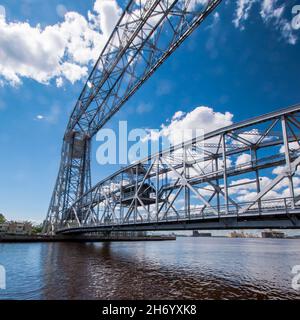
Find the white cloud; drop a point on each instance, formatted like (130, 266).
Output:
(282, 169)
(216, 19)
(52, 116)
(287, 32)
(178, 115)
(73, 72)
(242, 12)
(249, 196)
(65, 50)
(59, 82)
(243, 158)
(285, 183)
(60, 51)
(245, 189)
(292, 146)
(279, 170)
(270, 12)
(200, 120)
(241, 186)
(109, 13)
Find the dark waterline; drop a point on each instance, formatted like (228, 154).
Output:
(188, 268)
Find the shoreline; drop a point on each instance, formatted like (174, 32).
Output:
(34, 239)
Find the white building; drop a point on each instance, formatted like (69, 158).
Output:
(4, 227)
(16, 228)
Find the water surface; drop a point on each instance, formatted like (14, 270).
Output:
(188, 268)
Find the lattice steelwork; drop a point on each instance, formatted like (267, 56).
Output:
(146, 34)
(195, 185)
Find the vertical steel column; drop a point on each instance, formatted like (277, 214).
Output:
(157, 189)
(84, 181)
(287, 158)
(186, 189)
(121, 197)
(254, 164)
(217, 183)
(225, 172)
(185, 177)
(136, 195)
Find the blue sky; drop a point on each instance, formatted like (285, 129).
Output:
(243, 60)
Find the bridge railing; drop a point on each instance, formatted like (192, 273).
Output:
(265, 207)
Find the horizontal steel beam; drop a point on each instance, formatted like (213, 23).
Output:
(277, 221)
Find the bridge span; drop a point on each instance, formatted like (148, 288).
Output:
(147, 33)
(241, 176)
(282, 219)
(204, 183)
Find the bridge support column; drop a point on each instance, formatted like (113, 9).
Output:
(217, 184)
(225, 173)
(288, 159)
(254, 162)
(157, 189)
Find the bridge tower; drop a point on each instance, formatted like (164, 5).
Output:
(147, 33)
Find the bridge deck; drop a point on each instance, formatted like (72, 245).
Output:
(281, 219)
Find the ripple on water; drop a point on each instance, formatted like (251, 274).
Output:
(189, 268)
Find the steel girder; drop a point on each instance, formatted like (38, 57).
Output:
(200, 180)
(145, 35)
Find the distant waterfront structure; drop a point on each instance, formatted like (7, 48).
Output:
(297, 236)
(196, 233)
(242, 234)
(236, 234)
(15, 228)
(273, 234)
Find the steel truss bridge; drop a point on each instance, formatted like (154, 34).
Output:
(190, 186)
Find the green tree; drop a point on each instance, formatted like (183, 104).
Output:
(2, 218)
(37, 229)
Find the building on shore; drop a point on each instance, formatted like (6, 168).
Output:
(273, 234)
(242, 234)
(236, 234)
(297, 236)
(4, 227)
(15, 228)
(196, 233)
